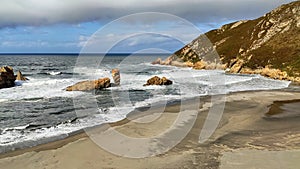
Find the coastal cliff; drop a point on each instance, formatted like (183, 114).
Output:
(269, 45)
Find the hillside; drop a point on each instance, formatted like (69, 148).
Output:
(269, 45)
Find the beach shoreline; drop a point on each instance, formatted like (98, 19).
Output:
(242, 110)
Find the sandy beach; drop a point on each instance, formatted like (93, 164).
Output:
(258, 129)
(153, 85)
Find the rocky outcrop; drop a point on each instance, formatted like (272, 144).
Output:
(90, 85)
(20, 76)
(158, 81)
(158, 61)
(116, 76)
(266, 44)
(201, 64)
(271, 73)
(7, 77)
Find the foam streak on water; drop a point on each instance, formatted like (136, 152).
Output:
(40, 110)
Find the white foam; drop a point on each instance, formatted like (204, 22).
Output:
(15, 136)
(19, 82)
(39, 88)
(3, 100)
(258, 83)
(15, 128)
(54, 73)
(91, 73)
(232, 79)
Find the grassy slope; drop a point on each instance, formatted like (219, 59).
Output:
(282, 51)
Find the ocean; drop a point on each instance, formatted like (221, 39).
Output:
(40, 110)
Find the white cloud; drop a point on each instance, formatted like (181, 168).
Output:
(45, 12)
(24, 43)
(82, 40)
(35, 44)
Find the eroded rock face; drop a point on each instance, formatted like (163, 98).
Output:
(7, 77)
(20, 76)
(158, 81)
(90, 85)
(237, 66)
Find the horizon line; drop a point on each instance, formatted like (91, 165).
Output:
(84, 53)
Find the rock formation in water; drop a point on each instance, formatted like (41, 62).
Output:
(20, 76)
(7, 77)
(269, 45)
(90, 85)
(116, 76)
(158, 81)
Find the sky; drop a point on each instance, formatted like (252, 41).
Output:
(127, 26)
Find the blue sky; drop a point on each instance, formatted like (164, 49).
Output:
(67, 26)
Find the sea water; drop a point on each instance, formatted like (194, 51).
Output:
(40, 110)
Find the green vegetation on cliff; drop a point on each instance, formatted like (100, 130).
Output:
(272, 41)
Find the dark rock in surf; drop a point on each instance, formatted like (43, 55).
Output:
(7, 77)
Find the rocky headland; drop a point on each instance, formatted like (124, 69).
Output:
(269, 45)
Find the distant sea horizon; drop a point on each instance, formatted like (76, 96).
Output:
(77, 54)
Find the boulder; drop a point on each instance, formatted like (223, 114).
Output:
(90, 85)
(7, 77)
(158, 81)
(21, 77)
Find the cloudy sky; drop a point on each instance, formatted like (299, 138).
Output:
(67, 26)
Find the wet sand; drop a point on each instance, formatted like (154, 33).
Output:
(261, 159)
(256, 128)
